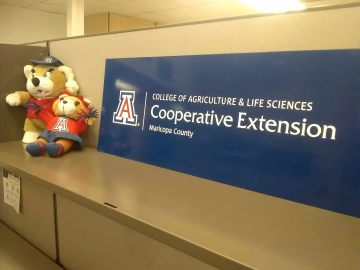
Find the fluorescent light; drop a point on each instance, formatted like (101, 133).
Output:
(274, 5)
(122, 85)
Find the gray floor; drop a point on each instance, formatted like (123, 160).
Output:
(17, 254)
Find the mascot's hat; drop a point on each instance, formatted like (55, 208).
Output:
(48, 60)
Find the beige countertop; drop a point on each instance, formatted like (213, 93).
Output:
(219, 224)
(16, 253)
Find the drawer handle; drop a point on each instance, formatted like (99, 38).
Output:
(113, 206)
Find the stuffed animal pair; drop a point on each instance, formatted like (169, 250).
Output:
(46, 80)
(50, 84)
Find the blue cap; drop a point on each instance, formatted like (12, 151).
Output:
(48, 60)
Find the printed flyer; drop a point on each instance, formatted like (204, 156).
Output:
(12, 190)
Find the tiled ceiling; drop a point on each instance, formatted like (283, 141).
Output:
(160, 11)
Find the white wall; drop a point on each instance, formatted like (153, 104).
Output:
(20, 25)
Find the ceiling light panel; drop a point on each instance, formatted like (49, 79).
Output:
(274, 6)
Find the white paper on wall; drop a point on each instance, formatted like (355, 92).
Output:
(12, 190)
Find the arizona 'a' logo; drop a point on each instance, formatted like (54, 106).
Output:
(61, 124)
(125, 113)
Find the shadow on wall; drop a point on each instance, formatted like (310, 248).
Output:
(13, 79)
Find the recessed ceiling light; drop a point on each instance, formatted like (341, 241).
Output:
(276, 6)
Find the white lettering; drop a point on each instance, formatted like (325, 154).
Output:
(295, 126)
(302, 128)
(240, 120)
(152, 111)
(270, 123)
(228, 121)
(252, 123)
(309, 130)
(333, 132)
(286, 124)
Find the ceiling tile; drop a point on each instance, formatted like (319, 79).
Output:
(90, 4)
(154, 17)
(150, 5)
(225, 7)
(115, 8)
(181, 13)
(20, 3)
(50, 8)
(125, 10)
(191, 2)
(212, 6)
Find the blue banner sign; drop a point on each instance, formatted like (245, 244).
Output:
(286, 124)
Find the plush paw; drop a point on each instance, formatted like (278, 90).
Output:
(13, 99)
(54, 149)
(71, 85)
(30, 136)
(36, 148)
(90, 121)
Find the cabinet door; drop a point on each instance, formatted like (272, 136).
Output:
(35, 223)
(16, 253)
(89, 241)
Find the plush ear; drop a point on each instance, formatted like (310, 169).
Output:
(85, 101)
(67, 71)
(27, 70)
(88, 102)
